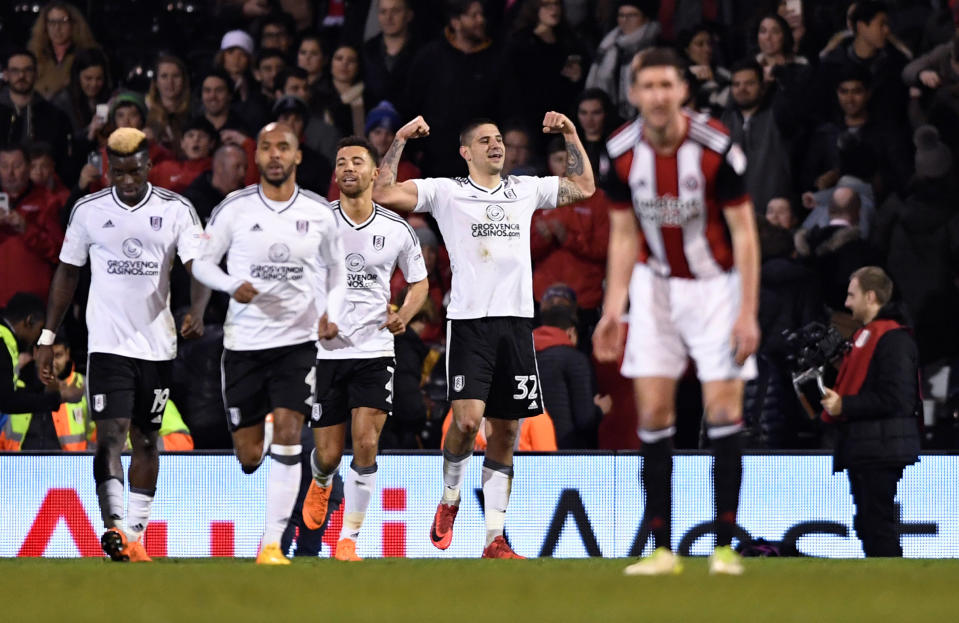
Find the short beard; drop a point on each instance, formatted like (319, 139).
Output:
(277, 183)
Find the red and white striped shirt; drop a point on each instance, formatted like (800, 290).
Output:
(679, 198)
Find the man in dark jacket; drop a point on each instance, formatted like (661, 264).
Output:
(875, 404)
(566, 381)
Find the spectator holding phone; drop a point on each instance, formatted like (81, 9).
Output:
(30, 234)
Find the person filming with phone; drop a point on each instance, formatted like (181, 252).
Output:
(30, 233)
(875, 406)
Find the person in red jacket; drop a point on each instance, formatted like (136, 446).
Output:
(30, 234)
(569, 244)
(197, 144)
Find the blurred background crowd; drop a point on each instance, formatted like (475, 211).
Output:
(848, 114)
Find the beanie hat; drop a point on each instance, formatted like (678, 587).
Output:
(383, 116)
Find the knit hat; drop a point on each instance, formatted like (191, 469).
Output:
(383, 116)
(558, 291)
(288, 104)
(237, 39)
(128, 98)
(933, 158)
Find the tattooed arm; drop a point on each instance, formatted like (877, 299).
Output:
(578, 183)
(386, 191)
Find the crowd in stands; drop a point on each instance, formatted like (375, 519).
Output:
(848, 115)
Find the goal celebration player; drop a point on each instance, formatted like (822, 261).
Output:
(286, 277)
(490, 361)
(130, 232)
(354, 378)
(683, 250)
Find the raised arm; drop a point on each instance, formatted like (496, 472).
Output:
(578, 183)
(386, 191)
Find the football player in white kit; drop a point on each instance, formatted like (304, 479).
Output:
(490, 361)
(354, 381)
(129, 231)
(286, 276)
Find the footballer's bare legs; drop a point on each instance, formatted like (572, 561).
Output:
(498, 475)
(656, 405)
(250, 446)
(361, 479)
(144, 468)
(457, 450)
(283, 482)
(724, 407)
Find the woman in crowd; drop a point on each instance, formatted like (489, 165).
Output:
(596, 119)
(344, 93)
(59, 32)
(168, 101)
(310, 58)
(90, 86)
(774, 39)
(235, 58)
(708, 82)
(545, 61)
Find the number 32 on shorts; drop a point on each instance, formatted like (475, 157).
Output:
(526, 387)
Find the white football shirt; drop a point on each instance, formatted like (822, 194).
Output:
(373, 249)
(487, 236)
(285, 250)
(131, 252)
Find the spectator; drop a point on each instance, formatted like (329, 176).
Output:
(320, 135)
(884, 140)
(635, 30)
(780, 212)
(344, 94)
(918, 235)
(90, 86)
(58, 34)
(569, 244)
(755, 123)
(545, 62)
(536, 434)
(127, 110)
(777, 48)
(788, 300)
(21, 321)
(836, 250)
(212, 186)
(936, 77)
(566, 381)
(43, 173)
(438, 90)
(197, 145)
(439, 278)
(277, 31)
(388, 57)
(269, 63)
(168, 102)
(216, 96)
(381, 125)
(235, 59)
(69, 427)
(596, 120)
(311, 59)
(33, 118)
(30, 234)
(518, 158)
(708, 82)
(857, 165)
(314, 171)
(870, 49)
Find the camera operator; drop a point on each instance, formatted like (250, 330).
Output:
(874, 405)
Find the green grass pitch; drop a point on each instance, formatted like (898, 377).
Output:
(454, 591)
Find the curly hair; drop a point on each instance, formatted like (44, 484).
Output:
(40, 41)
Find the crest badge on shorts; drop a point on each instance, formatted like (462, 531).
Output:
(378, 242)
(459, 382)
(302, 227)
(234, 416)
(316, 412)
(156, 222)
(99, 402)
